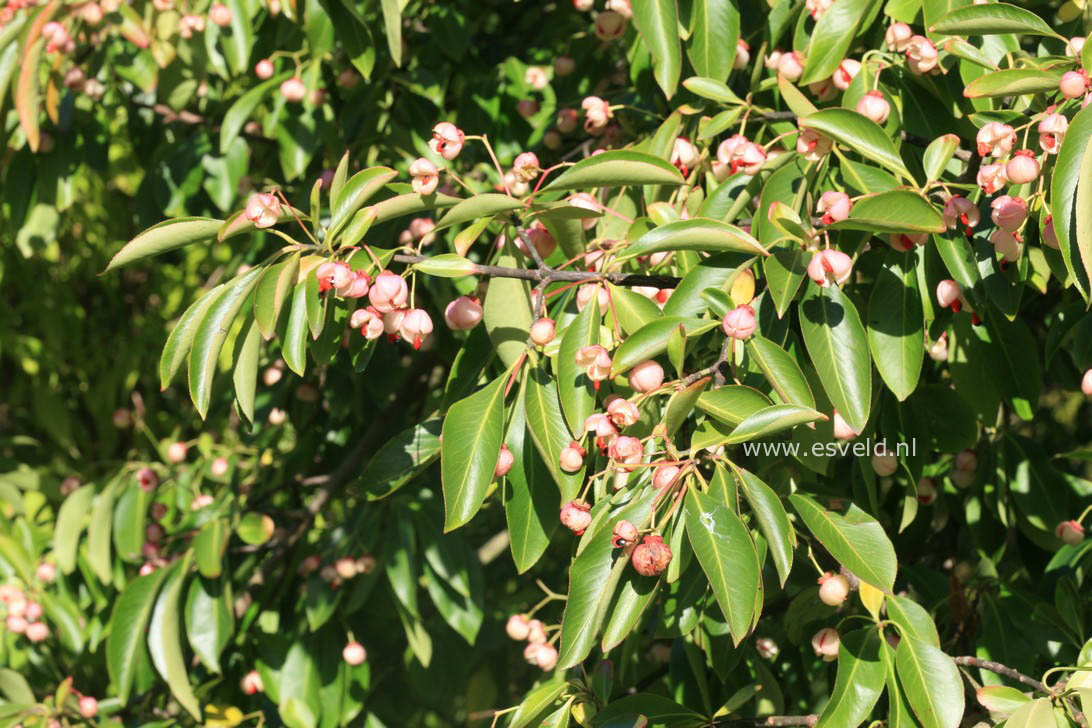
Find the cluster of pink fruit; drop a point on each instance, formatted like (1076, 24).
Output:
(539, 651)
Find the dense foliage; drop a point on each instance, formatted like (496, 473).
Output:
(624, 363)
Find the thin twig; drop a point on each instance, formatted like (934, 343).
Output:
(772, 721)
(997, 667)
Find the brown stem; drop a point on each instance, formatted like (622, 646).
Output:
(725, 356)
(1000, 669)
(551, 275)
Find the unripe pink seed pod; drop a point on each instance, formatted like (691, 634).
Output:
(220, 14)
(665, 476)
(505, 459)
(1086, 383)
(833, 589)
(251, 683)
(576, 516)
(739, 323)
(572, 457)
(264, 69)
(1073, 84)
(1070, 532)
(826, 643)
(463, 313)
(927, 491)
(646, 376)
(176, 452)
(293, 90)
(89, 707)
(1022, 167)
(874, 106)
(354, 653)
(542, 331)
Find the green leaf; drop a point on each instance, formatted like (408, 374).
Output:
(272, 290)
(238, 42)
(471, 438)
(15, 687)
(478, 206)
(551, 435)
(701, 234)
(773, 520)
(617, 168)
(167, 235)
(651, 340)
(358, 189)
(855, 539)
(1001, 698)
(838, 346)
(125, 647)
(532, 501)
(181, 337)
(209, 620)
(938, 154)
(208, 548)
(245, 376)
(1013, 82)
(913, 619)
(507, 313)
(294, 342)
(402, 459)
(392, 24)
(164, 643)
(657, 710)
(770, 420)
(714, 32)
(1038, 713)
(658, 24)
(446, 265)
(129, 519)
(711, 88)
(98, 534)
(897, 211)
(727, 555)
(576, 390)
(235, 117)
(831, 37)
(896, 324)
(860, 680)
(860, 134)
(411, 204)
(781, 371)
(682, 403)
(991, 19)
(1068, 196)
(933, 684)
(635, 594)
(211, 334)
(537, 703)
(632, 309)
(1017, 366)
(71, 519)
(733, 403)
(593, 578)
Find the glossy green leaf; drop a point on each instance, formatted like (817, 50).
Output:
(657, 22)
(237, 114)
(537, 703)
(831, 38)
(836, 341)
(402, 459)
(1067, 196)
(471, 437)
(896, 324)
(932, 682)
(273, 288)
(773, 519)
(446, 265)
(855, 539)
(781, 371)
(99, 528)
(167, 235)
(208, 548)
(209, 621)
(938, 154)
(771, 420)
(991, 19)
(125, 643)
(71, 519)
(897, 211)
(479, 206)
(651, 340)
(710, 236)
(1013, 82)
(723, 547)
(912, 618)
(711, 88)
(532, 503)
(733, 403)
(593, 578)
(507, 313)
(1037, 714)
(245, 374)
(1001, 699)
(617, 168)
(860, 134)
(576, 390)
(632, 309)
(358, 189)
(294, 342)
(211, 334)
(714, 30)
(682, 403)
(860, 680)
(411, 204)
(164, 643)
(551, 435)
